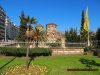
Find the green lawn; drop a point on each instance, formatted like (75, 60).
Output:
(57, 65)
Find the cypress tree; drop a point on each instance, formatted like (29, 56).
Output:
(22, 28)
(82, 24)
(83, 33)
(82, 21)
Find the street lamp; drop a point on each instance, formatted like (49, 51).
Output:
(5, 29)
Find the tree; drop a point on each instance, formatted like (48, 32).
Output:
(30, 22)
(66, 35)
(82, 21)
(71, 35)
(22, 28)
(25, 24)
(39, 36)
(98, 37)
(29, 33)
(83, 35)
(85, 28)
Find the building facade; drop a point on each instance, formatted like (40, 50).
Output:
(2, 23)
(11, 29)
(8, 30)
(54, 36)
(51, 32)
(40, 27)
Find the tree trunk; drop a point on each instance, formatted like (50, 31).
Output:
(27, 53)
(27, 56)
(36, 44)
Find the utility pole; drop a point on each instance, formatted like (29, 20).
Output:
(5, 30)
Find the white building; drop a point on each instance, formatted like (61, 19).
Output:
(11, 29)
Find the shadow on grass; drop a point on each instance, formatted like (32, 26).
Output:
(30, 60)
(7, 63)
(89, 63)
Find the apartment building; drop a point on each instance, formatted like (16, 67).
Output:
(8, 30)
(11, 29)
(2, 23)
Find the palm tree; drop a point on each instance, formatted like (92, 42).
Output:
(39, 36)
(30, 21)
(29, 32)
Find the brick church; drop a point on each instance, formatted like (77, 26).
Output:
(52, 34)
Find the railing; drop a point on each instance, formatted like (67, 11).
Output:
(43, 44)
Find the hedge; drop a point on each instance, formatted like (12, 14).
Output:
(10, 51)
(96, 52)
(54, 44)
(89, 48)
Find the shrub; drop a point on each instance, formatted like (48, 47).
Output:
(9, 51)
(95, 53)
(98, 52)
(54, 44)
(98, 37)
(87, 62)
(89, 48)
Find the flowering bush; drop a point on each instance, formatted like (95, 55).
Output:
(21, 70)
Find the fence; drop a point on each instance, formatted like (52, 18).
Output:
(43, 44)
(58, 48)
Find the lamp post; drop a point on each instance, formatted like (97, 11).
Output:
(6, 29)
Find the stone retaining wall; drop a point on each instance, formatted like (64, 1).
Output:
(66, 51)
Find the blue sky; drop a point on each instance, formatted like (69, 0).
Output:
(65, 13)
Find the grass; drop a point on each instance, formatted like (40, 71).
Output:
(57, 65)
